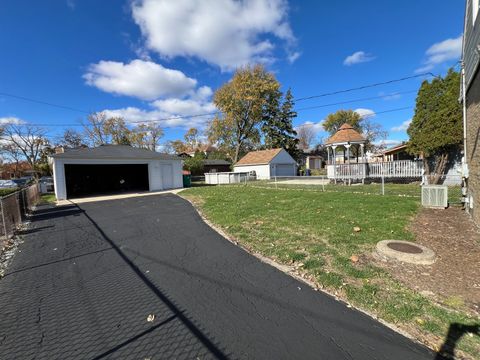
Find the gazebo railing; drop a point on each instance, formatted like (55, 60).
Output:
(348, 171)
(387, 169)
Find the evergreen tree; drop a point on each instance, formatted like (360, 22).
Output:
(277, 124)
(436, 129)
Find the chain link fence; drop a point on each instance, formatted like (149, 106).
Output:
(401, 186)
(15, 208)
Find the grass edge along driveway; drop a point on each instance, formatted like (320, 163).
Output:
(314, 233)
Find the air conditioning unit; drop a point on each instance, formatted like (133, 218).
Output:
(435, 196)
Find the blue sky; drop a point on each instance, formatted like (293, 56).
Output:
(158, 59)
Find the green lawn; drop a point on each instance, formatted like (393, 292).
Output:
(5, 192)
(47, 199)
(314, 231)
(406, 190)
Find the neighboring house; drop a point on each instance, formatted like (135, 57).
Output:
(13, 170)
(216, 165)
(109, 169)
(314, 162)
(267, 163)
(184, 155)
(312, 159)
(471, 100)
(395, 153)
(203, 148)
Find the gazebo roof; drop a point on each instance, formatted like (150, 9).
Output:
(346, 134)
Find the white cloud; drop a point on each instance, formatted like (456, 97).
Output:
(164, 119)
(11, 120)
(438, 53)
(293, 57)
(185, 107)
(392, 96)
(387, 143)
(316, 126)
(357, 58)
(365, 113)
(71, 4)
(226, 33)
(403, 126)
(171, 112)
(202, 94)
(142, 79)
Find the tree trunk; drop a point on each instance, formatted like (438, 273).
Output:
(440, 166)
(237, 152)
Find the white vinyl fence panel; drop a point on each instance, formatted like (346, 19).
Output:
(226, 178)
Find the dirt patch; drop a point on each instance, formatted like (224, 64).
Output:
(454, 279)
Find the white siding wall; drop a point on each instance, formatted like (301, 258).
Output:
(262, 171)
(283, 160)
(154, 172)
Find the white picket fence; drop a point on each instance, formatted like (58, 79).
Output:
(389, 169)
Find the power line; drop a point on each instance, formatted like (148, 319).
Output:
(43, 102)
(366, 86)
(357, 100)
(214, 113)
(217, 112)
(367, 115)
(143, 121)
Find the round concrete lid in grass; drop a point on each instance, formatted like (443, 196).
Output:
(405, 251)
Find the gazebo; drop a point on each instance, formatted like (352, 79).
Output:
(347, 139)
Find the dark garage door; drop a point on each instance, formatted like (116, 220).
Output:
(86, 180)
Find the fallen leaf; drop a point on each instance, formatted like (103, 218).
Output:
(150, 318)
(354, 258)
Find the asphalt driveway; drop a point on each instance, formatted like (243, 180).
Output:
(89, 275)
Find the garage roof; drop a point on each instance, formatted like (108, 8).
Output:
(114, 152)
(259, 157)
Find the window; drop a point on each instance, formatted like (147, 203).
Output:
(475, 4)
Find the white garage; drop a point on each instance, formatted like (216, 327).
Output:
(113, 169)
(267, 163)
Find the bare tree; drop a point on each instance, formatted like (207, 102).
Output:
(191, 138)
(147, 136)
(374, 133)
(29, 141)
(71, 138)
(94, 129)
(306, 135)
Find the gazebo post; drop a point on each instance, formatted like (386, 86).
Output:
(347, 147)
(364, 163)
(334, 147)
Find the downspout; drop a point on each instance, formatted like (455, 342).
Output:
(464, 98)
(465, 195)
